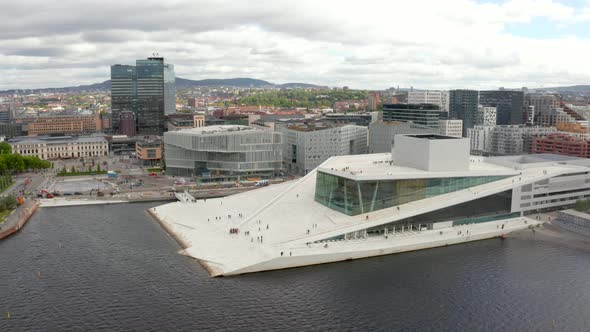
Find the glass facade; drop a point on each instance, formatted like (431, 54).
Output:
(146, 89)
(355, 197)
(423, 114)
(463, 106)
(150, 96)
(490, 208)
(509, 105)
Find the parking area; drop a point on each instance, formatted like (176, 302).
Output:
(82, 186)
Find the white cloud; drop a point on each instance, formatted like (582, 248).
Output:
(373, 44)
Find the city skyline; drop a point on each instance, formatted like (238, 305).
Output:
(425, 43)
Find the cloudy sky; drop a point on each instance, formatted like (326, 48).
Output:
(362, 44)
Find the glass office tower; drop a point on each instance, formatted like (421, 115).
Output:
(509, 105)
(169, 89)
(145, 89)
(123, 92)
(463, 106)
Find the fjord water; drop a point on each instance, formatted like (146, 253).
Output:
(113, 268)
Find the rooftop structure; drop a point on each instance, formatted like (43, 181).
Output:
(382, 134)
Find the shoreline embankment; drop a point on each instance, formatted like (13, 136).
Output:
(15, 221)
(554, 234)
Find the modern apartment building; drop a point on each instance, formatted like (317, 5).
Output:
(146, 89)
(515, 140)
(305, 147)
(463, 106)
(64, 124)
(422, 114)
(541, 102)
(440, 98)
(509, 105)
(555, 117)
(62, 147)
(223, 153)
(486, 116)
(480, 139)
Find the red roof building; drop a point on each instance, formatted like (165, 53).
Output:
(562, 144)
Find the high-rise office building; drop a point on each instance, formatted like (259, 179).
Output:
(146, 89)
(509, 105)
(169, 89)
(541, 102)
(463, 106)
(423, 114)
(123, 93)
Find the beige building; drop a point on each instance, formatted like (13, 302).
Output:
(199, 120)
(65, 124)
(450, 127)
(63, 147)
(149, 153)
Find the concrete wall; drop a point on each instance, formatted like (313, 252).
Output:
(574, 221)
(432, 154)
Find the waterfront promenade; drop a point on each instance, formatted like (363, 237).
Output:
(18, 218)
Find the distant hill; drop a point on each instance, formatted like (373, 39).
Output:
(181, 83)
(297, 86)
(574, 89)
(96, 87)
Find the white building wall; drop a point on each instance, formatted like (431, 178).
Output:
(440, 98)
(432, 155)
(552, 192)
(316, 146)
(480, 139)
(61, 150)
(451, 127)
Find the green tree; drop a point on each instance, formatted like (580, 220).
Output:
(14, 162)
(73, 170)
(8, 203)
(5, 148)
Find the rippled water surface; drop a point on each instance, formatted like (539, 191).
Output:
(113, 268)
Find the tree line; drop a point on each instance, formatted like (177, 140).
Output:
(14, 162)
(300, 98)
